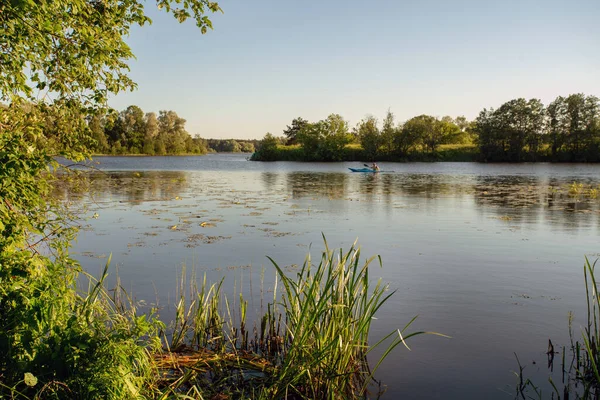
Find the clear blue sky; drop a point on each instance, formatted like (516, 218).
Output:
(269, 61)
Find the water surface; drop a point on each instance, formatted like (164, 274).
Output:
(490, 254)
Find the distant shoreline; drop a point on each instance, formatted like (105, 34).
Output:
(165, 155)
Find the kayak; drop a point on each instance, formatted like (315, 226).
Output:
(362, 170)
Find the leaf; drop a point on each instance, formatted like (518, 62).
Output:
(30, 379)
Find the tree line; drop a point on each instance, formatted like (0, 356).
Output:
(331, 139)
(132, 131)
(232, 145)
(568, 129)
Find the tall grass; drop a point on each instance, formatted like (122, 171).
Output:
(89, 347)
(311, 342)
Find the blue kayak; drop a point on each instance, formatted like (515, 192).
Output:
(362, 170)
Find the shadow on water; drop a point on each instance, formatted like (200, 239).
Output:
(525, 199)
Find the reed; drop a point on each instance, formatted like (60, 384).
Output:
(311, 342)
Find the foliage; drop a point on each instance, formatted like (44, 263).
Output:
(354, 152)
(291, 132)
(267, 149)
(503, 133)
(388, 131)
(450, 131)
(60, 62)
(519, 130)
(132, 131)
(369, 136)
(574, 128)
(75, 49)
(231, 145)
(324, 140)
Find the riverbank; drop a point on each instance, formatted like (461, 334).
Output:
(354, 152)
(165, 155)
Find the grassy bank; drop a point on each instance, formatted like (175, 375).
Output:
(311, 340)
(354, 152)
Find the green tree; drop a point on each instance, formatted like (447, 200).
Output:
(557, 126)
(324, 140)
(291, 132)
(405, 141)
(370, 137)
(388, 132)
(267, 149)
(247, 147)
(462, 123)
(60, 61)
(96, 126)
(451, 133)
(579, 121)
(432, 135)
(133, 127)
(171, 129)
(336, 138)
(311, 137)
(231, 146)
(423, 130)
(513, 132)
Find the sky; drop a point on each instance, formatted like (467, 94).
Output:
(269, 61)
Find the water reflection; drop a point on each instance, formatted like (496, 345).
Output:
(125, 187)
(488, 257)
(315, 185)
(516, 199)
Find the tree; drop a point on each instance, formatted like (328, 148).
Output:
(336, 138)
(324, 140)
(450, 131)
(291, 132)
(557, 126)
(388, 132)
(369, 136)
(432, 134)
(462, 123)
(171, 129)
(267, 149)
(60, 61)
(96, 126)
(247, 147)
(405, 141)
(231, 146)
(513, 132)
(579, 121)
(310, 138)
(133, 126)
(423, 130)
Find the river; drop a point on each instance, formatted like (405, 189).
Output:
(489, 254)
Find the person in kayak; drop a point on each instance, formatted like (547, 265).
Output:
(375, 167)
